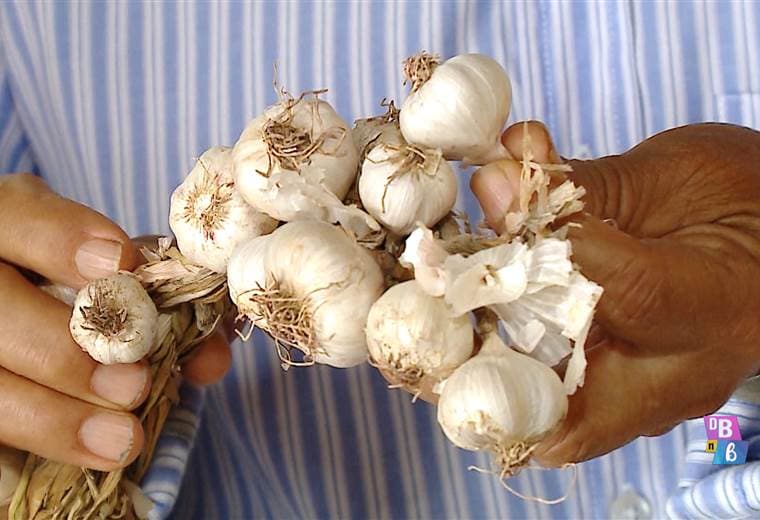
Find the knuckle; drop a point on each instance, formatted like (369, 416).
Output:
(638, 294)
(20, 182)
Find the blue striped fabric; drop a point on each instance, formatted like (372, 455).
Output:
(111, 101)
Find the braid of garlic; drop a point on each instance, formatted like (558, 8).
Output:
(191, 300)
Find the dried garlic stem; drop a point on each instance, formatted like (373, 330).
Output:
(207, 202)
(287, 319)
(291, 147)
(419, 68)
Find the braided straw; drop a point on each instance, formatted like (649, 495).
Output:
(191, 301)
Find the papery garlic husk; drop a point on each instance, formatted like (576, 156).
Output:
(414, 339)
(314, 293)
(114, 320)
(11, 467)
(426, 256)
(297, 161)
(503, 402)
(544, 321)
(402, 185)
(543, 302)
(368, 131)
(459, 106)
(209, 217)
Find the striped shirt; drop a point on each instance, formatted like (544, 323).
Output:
(111, 102)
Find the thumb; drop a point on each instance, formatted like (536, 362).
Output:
(57, 238)
(656, 292)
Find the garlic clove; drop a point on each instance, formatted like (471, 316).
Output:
(114, 320)
(209, 216)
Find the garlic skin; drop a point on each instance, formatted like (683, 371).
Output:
(208, 215)
(499, 398)
(114, 320)
(245, 269)
(11, 466)
(461, 108)
(259, 175)
(246, 272)
(412, 336)
(426, 256)
(401, 185)
(318, 282)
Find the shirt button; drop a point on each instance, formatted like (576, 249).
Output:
(630, 506)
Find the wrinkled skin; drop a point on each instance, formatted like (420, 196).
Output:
(671, 230)
(49, 387)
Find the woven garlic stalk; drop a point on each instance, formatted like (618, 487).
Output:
(191, 301)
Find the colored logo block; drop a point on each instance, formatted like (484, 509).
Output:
(712, 445)
(722, 427)
(731, 452)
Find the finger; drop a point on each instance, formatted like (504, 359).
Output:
(657, 293)
(36, 344)
(64, 241)
(63, 429)
(497, 188)
(211, 361)
(497, 185)
(626, 395)
(535, 135)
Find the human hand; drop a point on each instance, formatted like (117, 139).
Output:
(56, 401)
(677, 328)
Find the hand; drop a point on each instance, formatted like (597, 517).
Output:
(56, 401)
(671, 230)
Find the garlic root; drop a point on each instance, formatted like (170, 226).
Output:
(114, 320)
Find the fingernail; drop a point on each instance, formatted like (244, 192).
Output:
(107, 435)
(98, 258)
(120, 384)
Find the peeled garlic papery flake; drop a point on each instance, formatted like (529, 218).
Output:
(543, 302)
(412, 336)
(459, 106)
(426, 256)
(208, 215)
(297, 161)
(402, 185)
(314, 294)
(542, 322)
(503, 402)
(114, 320)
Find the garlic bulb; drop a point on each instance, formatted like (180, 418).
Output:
(246, 269)
(501, 401)
(11, 466)
(114, 320)
(302, 141)
(459, 106)
(401, 185)
(209, 216)
(413, 336)
(314, 293)
(368, 130)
